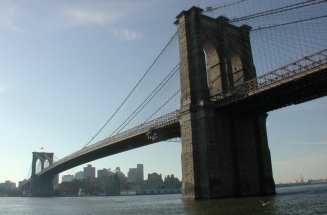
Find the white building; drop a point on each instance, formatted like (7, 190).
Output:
(67, 178)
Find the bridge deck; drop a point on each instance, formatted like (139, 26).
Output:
(295, 83)
(165, 127)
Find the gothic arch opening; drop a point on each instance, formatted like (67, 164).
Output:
(46, 163)
(212, 68)
(38, 166)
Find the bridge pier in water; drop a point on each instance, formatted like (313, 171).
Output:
(225, 152)
(41, 185)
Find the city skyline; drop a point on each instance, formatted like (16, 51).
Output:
(62, 76)
(77, 174)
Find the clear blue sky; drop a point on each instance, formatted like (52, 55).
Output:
(65, 66)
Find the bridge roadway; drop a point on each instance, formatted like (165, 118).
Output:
(294, 83)
(160, 129)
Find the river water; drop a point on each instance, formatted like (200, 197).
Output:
(308, 199)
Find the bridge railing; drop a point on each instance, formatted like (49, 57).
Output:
(165, 120)
(153, 124)
(273, 78)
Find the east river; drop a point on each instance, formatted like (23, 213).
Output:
(308, 199)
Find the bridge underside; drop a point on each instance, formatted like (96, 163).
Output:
(296, 91)
(132, 142)
(42, 184)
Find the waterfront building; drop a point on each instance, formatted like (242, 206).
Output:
(89, 171)
(136, 175)
(155, 185)
(120, 174)
(109, 183)
(104, 172)
(69, 188)
(79, 175)
(89, 185)
(171, 182)
(8, 185)
(154, 181)
(122, 179)
(67, 178)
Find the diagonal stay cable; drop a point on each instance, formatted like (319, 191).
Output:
(175, 94)
(278, 10)
(289, 23)
(129, 95)
(147, 100)
(210, 9)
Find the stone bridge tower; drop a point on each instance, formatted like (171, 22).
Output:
(41, 186)
(224, 153)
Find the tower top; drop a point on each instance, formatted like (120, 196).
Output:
(192, 9)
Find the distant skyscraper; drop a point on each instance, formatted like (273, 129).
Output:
(79, 175)
(8, 185)
(104, 173)
(154, 180)
(135, 175)
(89, 171)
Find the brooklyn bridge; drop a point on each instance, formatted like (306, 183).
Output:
(215, 98)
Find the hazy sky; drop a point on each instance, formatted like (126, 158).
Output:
(65, 66)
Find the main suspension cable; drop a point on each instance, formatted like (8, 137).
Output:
(278, 10)
(129, 95)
